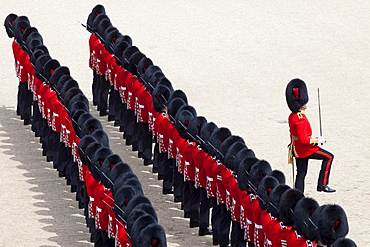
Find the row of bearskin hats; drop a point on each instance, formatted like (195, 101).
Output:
(131, 206)
(326, 224)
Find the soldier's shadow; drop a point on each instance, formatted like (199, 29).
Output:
(58, 209)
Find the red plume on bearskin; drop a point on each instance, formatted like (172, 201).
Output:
(296, 94)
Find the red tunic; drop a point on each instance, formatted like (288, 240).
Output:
(201, 162)
(19, 57)
(300, 131)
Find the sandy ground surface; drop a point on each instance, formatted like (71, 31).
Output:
(233, 59)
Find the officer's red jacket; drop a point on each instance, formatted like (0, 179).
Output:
(93, 41)
(162, 126)
(19, 57)
(300, 131)
(101, 212)
(211, 166)
(234, 191)
(121, 83)
(122, 239)
(189, 164)
(132, 85)
(201, 163)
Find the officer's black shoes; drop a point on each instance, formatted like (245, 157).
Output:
(204, 231)
(177, 199)
(160, 176)
(167, 191)
(122, 129)
(155, 169)
(27, 122)
(49, 158)
(73, 188)
(148, 162)
(194, 223)
(103, 113)
(139, 154)
(135, 148)
(215, 241)
(110, 118)
(325, 188)
(186, 214)
(116, 123)
(128, 142)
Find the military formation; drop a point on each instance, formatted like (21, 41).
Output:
(216, 178)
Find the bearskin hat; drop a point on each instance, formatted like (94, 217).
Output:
(242, 154)
(8, 23)
(98, 160)
(122, 197)
(133, 61)
(70, 99)
(228, 159)
(72, 95)
(154, 80)
(179, 94)
(205, 134)
(160, 97)
(101, 136)
(264, 190)
(39, 51)
(96, 21)
(303, 212)
(258, 171)
(109, 162)
(119, 49)
(164, 81)
(344, 242)
(32, 45)
(82, 146)
(83, 117)
(186, 108)
(58, 73)
(195, 126)
(66, 86)
(39, 66)
(91, 125)
(103, 25)
(152, 235)
(332, 223)
(142, 67)
(279, 175)
(274, 199)
(138, 225)
(62, 80)
(216, 139)
(128, 179)
(244, 171)
(79, 105)
(296, 94)
(29, 35)
(183, 119)
(134, 202)
(119, 169)
(138, 211)
(111, 38)
(90, 151)
(230, 141)
(49, 68)
(149, 72)
(174, 105)
(287, 204)
(127, 53)
(21, 23)
(98, 9)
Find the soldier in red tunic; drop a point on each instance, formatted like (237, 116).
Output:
(304, 147)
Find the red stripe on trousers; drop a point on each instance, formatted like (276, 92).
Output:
(325, 182)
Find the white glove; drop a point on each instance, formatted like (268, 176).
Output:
(321, 140)
(318, 140)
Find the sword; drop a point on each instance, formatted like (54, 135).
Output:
(318, 98)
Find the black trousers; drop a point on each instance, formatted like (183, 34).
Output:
(24, 101)
(302, 167)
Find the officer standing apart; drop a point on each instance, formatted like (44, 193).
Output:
(302, 145)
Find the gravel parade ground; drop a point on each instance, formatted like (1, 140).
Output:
(233, 60)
